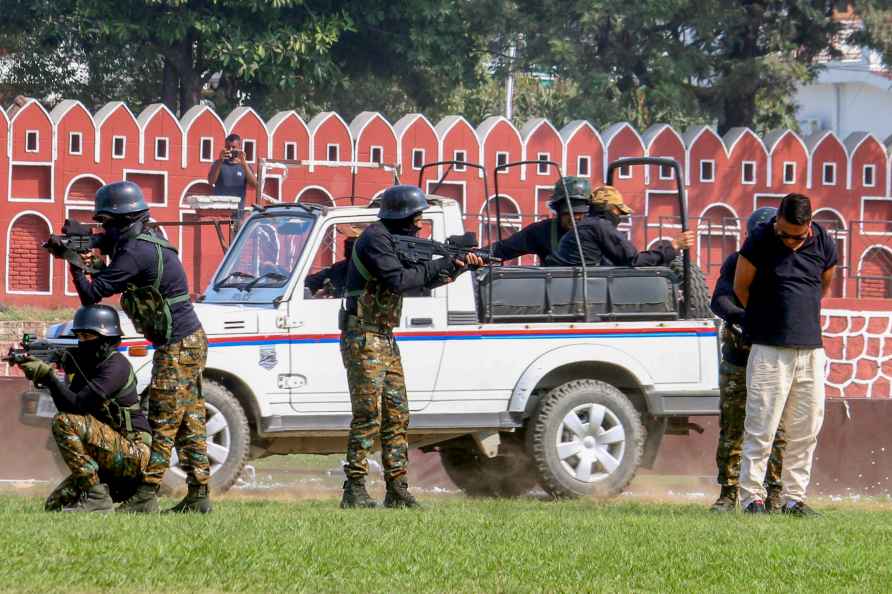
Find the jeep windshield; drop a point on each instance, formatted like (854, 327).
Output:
(258, 266)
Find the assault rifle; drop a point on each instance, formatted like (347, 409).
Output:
(76, 239)
(46, 351)
(414, 249)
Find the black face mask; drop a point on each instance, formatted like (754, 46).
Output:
(93, 352)
(405, 226)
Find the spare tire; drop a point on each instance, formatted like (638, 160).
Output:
(700, 296)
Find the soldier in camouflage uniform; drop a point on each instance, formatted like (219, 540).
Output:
(376, 281)
(146, 271)
(101, 430)
(732, 386)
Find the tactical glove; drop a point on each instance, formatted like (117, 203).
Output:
(36, 370)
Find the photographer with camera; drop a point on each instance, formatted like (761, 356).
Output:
(230, 174)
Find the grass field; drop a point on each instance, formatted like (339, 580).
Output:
(453, 545)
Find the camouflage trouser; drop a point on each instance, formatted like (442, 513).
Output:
(90, 447)
(378, 398)
(732, 384)
(176, 409)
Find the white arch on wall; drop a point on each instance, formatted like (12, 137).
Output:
(308, 188)
(317, 122)
(775, 137)
(103, 114)
(814, 143)
(8, 134)
(361, 122)
(404, 124)
(58, 115)
(610, 135)
(145, 118)
(442, 130)
(569, 132)
(690, 138)
(52, 162)
(735, 135)
(188, 187)
(75, 180)
(844, 237)
(863, 256)
(656, 239)
(276, 121)
(527, 132)
(850, 154)
(727, 231)
(515, 222)
(189, 118)
(650, 136)
(486, 127)
(12, 223)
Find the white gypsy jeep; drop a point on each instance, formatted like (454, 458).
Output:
(513, 377)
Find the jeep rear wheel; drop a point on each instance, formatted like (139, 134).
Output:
(509, 474)
(228, 441)
(585, 438)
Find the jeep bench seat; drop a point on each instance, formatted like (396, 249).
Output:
(554, 294)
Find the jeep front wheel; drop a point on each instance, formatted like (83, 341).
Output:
(228, 441)
(585, 438)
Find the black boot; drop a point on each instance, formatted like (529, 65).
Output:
(355, 495)
(727, 501)
(398, 494)
(196, 500)
(144, 501)
(95, 499)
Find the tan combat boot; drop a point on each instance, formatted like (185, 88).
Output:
(727, 501)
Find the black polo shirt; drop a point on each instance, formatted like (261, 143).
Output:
(784, 306)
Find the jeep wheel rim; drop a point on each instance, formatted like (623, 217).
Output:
(590, 442)
(218, 441)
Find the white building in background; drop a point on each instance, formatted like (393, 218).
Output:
(851, 94)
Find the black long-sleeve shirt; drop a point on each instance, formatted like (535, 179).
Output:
(336, 274)
(84, 397)
(376, 249)
(724, 304)
(136, 262)
(604, 245)
(540, 238)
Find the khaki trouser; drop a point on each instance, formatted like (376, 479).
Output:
(788, 384)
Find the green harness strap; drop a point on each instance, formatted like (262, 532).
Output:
(555, 240)
(363, 272)
(162, 243)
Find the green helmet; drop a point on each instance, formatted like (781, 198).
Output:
(579, 190)
(98, 319)
(577, 187)
(401, 202)
(119, 198)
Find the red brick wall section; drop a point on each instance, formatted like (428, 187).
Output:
(859, 353)
(29, 265)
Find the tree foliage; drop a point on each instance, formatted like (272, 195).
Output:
(725, 62)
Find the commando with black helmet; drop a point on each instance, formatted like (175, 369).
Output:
(101, 428)
(146, 271)
(376, 280)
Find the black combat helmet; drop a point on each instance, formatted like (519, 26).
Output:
(119, 198)
(759, 216)
(578, 188)
(98, 319)
(401, 202)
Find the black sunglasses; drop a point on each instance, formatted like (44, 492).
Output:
(783, 235)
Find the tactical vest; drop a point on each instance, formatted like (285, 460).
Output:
(554, 234)
(146, 306)
(120, 417)
(378, 309)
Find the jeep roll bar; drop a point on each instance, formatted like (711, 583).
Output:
(682, 209)
(505, 167)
